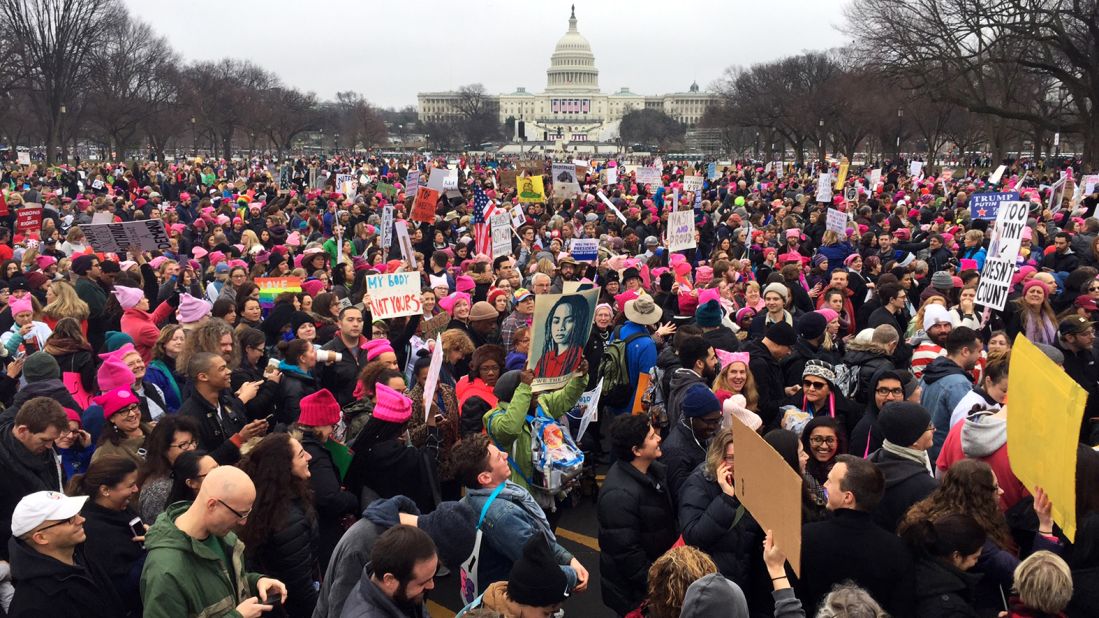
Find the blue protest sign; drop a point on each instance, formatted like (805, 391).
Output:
(986, 205)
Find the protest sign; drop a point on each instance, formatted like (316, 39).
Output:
(271, 287)
(564, 181)
(24, 158)
(1008, 231)
(103, 216)
(693, 183)
(681, 230)
(436, 179)
(915, 168)
(612, 176)
(346, 184)
(394, 295)
(501, 234)
(770, 490)
(586, 409)
(387, 189)
(836, 222)
(610, 204)
(506, 179)
(432, 381)
(518, 217)
(1042, 438)
(841, 177)
(648, 176)
(585, 249)
(995, 283)
(559, 333)
(423, 209)
(987, 205)
(148, 234)
(643, 381)
(824, 187)
(875, 178)
(387, 226)
(412, 182)
(711, 171)
(1090, 183)
(530, 189)
(404, 241)
(995, 177)
(1057, 193)
(28, 219)
(450, 180)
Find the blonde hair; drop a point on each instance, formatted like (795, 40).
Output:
(67, 304)
(248, 238)
(671, 575)
(715, 453)
(751, 393)
(456, 340)
(1044, 582)
(850, 601)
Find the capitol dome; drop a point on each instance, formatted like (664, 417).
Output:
(572, 65)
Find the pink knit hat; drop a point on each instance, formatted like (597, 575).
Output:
(1033, 283)
(448, 302)
(704, 275)
(828, 314)
(391, 406)
(127, 297)
(115, 399)
(464, 283)
(45, 261)
(19, 305)
(319, 409)
(376, 347)
(114, 373)
(312, 287)
(707, 294)
(121, 352)
(192, 309)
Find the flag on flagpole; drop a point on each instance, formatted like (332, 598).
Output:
(483, 209)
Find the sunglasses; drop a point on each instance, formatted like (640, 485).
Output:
(809, 384)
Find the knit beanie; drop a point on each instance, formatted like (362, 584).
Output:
(297, 319)
(20, 305)
(698, 401)
(820, 369)
(40, 367)
(115, 399)
(312, 287)
(376, 347)
(453, 527)
(942, 280)
(828, 314)
(391, 406)
(811, 325)
(114, 373)
(319, 409)
(127, 297)
(781, 333)
(708, 315)
(777, 288)
(82, 264)
(536, 579)
(464, 283)
(935, 314)
(903, 422)
(192, 309)
(506, 385)
(115, 341)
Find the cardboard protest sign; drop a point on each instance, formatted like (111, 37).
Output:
(432, 381)
(824, 187)
(648, 176)
(507, 178)
(987, 205)
(28, 219)
(995, 177)
(643, 382)
(404, 241)
(1042, 438)
(559, 332)
(387, 226)
(681, 230)
(394, 295)
(586, 409)
(585, 249)
(148, 234)
(565, 184)
(423, 209)
(693, 184)
(611, 176)
(271, 287)
(770, 490)
(836, 222)
(412, 182)
(610, 204)
(518, 217)
(501, 234)
(530, 189)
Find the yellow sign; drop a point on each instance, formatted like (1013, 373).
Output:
(842, 176)
(1045, 410)
(530, 189)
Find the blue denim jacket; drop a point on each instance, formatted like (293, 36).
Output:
(512, 518)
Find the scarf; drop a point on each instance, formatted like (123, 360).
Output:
(59, 346)
(912, 454)
(1040, 330)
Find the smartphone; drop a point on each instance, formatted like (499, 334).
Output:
(274, 597)
(273, 363)
(137, 527)
(269, 419)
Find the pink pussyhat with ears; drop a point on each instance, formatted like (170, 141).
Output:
(127, 297)
(192, 309)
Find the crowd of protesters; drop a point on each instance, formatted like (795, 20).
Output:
(174, 442)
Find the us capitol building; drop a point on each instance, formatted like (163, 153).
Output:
(572, 109)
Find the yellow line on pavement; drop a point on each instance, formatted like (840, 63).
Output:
(576, 537)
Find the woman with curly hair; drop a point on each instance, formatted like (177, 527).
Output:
(669, 578)
(971, 487)
(280, 533)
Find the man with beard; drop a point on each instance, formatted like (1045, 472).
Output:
(937, 324)
(699, 366)
(400, 574)
(566, 272)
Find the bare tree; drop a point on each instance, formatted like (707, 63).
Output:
(53, 40)
(284, 113)
(223, 94)
(479, 114)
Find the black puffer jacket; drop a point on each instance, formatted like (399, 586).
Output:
(111, 545)
(636, 526)
(707, 516)
(682, 454)
(331, 500)
(868, 363)
(290, 556)
(49, 587)
(943, 591)
(293, 386)
(906, 483)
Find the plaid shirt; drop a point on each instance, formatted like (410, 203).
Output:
(512, 323)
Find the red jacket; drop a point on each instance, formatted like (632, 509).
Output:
(143, 327)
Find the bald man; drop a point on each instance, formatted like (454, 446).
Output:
(192, 551)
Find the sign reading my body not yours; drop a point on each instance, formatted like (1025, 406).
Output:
(394, 295)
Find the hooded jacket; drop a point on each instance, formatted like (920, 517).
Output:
(183, 577)
(906, 483)
(23, 473)
(678, 384)
(48, 587)
(866, 436)
(943, 590)
(53, 388)
(944, 384)
(869, 363)
(983, 436)
(713, 595)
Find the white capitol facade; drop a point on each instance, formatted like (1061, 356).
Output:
(572, 109)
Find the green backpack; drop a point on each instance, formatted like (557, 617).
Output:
(615, 371)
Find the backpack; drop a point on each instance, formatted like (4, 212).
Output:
(555, 458)
(654, 404)
(847, 379)
(615, 370)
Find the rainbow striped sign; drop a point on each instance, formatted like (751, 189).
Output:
(271, 287)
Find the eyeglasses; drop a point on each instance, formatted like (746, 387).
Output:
(896, 392)
(809, 384)
(239, 515)
(490, 368)
(186, 445)
(72, 522)
(128, 411)
(819, 440)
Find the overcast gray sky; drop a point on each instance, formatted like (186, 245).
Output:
(389, 51)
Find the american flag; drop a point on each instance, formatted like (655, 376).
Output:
(483, 209)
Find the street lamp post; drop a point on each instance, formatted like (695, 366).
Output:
(194, 137)
(900, 119)
(820, 140)
(336, 142)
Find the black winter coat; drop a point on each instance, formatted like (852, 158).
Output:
(391, 468)
(793, 365)
(868, 362)
(267, 396)
(942, 591)
(111, 545)
(331, 499)
(722, 338)
(53, 388)
(682, 454)
(906, 483)
(341, 377)
(707, 516)
(81, 362)
(768, 376)
(289, 555)
(23, 473)
(215, 432)
(636, 526)
(292, 388)
(47, 587)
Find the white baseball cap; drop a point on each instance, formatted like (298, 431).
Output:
(42, 506)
